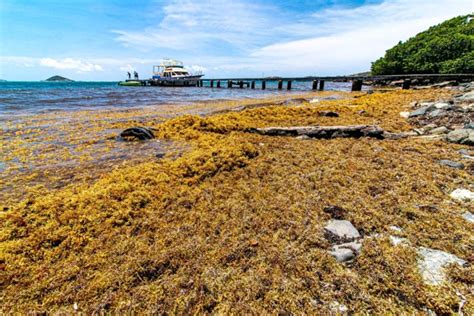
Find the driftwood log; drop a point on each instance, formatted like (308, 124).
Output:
(323, 131)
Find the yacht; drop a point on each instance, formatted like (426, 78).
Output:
(172, 73)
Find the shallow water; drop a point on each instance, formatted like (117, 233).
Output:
(20, 98)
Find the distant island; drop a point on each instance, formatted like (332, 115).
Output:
(3, 80)
(59, 78)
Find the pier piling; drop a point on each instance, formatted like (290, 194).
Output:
(315, 84)
(406, 84)
(252, 85)
(288, 85)
(321, 85)
(229, 83)
(280, 84)
(241, 84)
(356, 85)
(218, 83)
(264, 83)
(212, 83)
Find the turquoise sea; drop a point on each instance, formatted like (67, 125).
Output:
(17, 98)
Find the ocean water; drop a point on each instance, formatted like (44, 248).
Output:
(20, 98)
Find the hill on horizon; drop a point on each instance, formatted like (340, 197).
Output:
(59, 78)
(444, 48)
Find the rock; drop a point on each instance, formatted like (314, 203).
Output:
(467, 97)
(468, 216)
(328, 114)
(314, 101)
(341, 231)
(303, 137)
(437, 113)
(396, 228)
(465, 154)
(421, 111)
(432, 263)
(429, 127)
(405, 114)
(469, 125)
(140, 133)
(398, 240)
(160, 155)
(419, 131)
(338, 308)
(458, 135)
(462, 195)
(469, 140)
(452, 164)
(443, 106)
(433, 137)
(439, 130)
(342, 255)
(346, 251)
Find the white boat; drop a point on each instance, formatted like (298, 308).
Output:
(172, 73)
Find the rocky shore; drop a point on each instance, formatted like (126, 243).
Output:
(321, 206)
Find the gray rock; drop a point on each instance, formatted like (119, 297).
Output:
(466, 97)
(341, 231)
(468, 216)
(432, 262)
(437, 113)
(452, 164)
(429, 127)
(398, 240)
(421, 111)
(343, 255)
(338, 308)
(439, 130)
(469, 140)
(462, 195)
(458, 135)
(443, 106)
(469, 125)
(465, 154)
(303, 137)
(396, 229)
(419, 131)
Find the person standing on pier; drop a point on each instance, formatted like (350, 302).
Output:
(129, 75)
(135, 74)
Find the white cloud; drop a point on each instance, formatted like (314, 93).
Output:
(127, 67)
(196, 68)
(360, 35)
(70, 63)
(335, 40)
(188, 25)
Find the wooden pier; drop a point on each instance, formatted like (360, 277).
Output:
(405, 81)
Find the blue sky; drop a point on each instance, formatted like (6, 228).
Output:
(102, 39)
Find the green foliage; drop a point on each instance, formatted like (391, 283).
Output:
(445, 48)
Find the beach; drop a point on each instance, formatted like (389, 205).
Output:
(226, 220)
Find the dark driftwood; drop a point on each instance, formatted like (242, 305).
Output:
(323, 131)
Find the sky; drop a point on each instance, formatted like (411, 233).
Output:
(100, 40)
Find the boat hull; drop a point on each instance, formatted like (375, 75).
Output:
(190, 81)
(131, 83)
